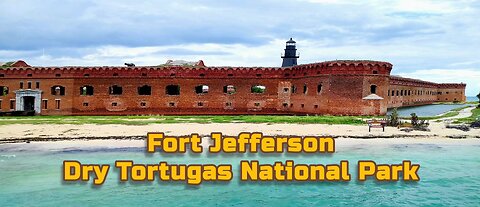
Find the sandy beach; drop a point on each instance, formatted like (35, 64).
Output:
(45, 132)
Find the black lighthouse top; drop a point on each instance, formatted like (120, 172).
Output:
(290, 56)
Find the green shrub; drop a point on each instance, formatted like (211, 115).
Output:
(393, 119)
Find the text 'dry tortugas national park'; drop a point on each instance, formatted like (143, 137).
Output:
(340, 87)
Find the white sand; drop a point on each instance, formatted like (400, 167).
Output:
(19, 131)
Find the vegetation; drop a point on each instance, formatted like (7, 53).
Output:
(6, 65)
(445, 115)
(414, 119)
(474, 117)
(478, 96)
(258, 89)
(460, 108)
(143, 120)
(392, 119)
(419, 124)
(447, 103)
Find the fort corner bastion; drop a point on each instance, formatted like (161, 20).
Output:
(340, 87)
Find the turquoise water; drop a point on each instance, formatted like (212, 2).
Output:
(450, 176)
(426, 110)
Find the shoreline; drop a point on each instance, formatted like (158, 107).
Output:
(341, 144)
(142, 138)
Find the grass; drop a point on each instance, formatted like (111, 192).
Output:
(446, 103)
(460, 108)
(144, 120)
(445, 115)
(475, 115)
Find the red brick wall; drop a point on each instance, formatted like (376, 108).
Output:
(344, 85)
(413, 92)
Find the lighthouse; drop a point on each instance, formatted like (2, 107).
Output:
(290, 56)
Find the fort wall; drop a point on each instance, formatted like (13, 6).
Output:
(412, 92)
(333, 87)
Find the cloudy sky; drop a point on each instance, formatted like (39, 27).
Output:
(432, 39)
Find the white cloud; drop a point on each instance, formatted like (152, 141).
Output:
(413, 35)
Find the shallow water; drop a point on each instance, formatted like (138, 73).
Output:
(426, 110)
(449, 177)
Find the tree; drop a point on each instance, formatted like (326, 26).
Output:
(478, 96)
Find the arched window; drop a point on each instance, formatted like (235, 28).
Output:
(305, 88)
(373, 89)
(58, 90)
(115, 90)
(145, 90)
(173, 90)
(319, 88)
(229, 89)
(86, 90)
(258, 89)
(3, 90)
(201, 89)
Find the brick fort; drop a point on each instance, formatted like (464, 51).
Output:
(340, 87)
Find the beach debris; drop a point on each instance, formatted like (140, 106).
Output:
(406, 129)
(457, 136)
(475, 124)
(462, 127)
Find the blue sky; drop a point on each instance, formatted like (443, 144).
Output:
(432, 39)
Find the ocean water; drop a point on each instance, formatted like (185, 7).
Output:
(450, 176)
